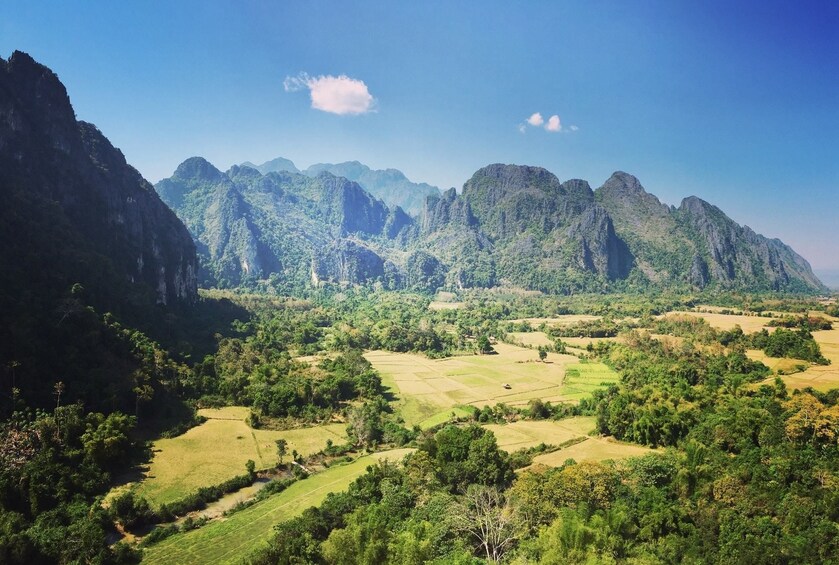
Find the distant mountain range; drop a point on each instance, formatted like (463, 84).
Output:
(511, 226)
(389, 185)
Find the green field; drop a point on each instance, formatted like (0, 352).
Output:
(232, 539)
(529, 433)
(428, 389)
(218, 449)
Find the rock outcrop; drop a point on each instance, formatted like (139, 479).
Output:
(51, 161)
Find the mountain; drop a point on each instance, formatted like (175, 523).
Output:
(81, 230)
(698, 244)
(249, 226)
(389, 185)
(278, 165)
(511, 226)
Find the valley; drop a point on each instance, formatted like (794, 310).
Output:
(340, 365)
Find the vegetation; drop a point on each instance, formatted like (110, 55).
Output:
(351, 373)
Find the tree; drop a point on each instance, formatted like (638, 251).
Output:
(484, 346)
(543, 353)
(487, 515)
(282, 444)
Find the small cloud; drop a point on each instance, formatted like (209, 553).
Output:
(573, 128)
(553, 123)
(522, 128)
(536, 120)
(340, 95)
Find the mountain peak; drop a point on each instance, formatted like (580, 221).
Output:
(197, 168)
(278, 165)
(390, 185)
(625, 182)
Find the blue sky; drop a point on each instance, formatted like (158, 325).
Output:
(735, 102)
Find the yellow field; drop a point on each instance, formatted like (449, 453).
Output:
(529, 433)
(218, 449)
(427, 387)
(775, 364)
(437, 305)
(592, 449)
(749, 324)
(558, 321)
(820, 377)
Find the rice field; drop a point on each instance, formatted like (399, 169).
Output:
(218, 449)
(427, 389)
(558, 321)
(232, 539)
(820, 377)
(529, 433)
(749, 324)
(592, 449)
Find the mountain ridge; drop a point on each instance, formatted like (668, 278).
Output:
(511, 225)
(388, 185)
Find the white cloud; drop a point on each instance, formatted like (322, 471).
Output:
(522, 128)
(340, 95)
(553, 123)
(536, 120)
(573, 128)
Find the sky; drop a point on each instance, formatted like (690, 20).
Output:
(734, 102)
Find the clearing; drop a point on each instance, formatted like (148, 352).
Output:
(232, 539)
(749, 324)
(820, 377)
(557, 321)
(529, 433)
(218, 449)
(592, 449)
(427, 388)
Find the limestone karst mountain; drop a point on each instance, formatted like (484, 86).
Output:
(510, 226)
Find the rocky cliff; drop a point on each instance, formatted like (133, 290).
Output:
(249, 226)
(50, 163)
(697, 244)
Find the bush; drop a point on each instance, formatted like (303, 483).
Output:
(131, 510)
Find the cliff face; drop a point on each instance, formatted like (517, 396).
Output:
(735, 255)
(49, 159)
(697, 244)
(540, 227)
(512, 225)
(249, 226)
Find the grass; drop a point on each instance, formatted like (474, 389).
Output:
(529, 433)
(232, 539)
(777, 365)
(557, 321)
(532, 339)
(428, 389)
(218, 449)
(445, 416)
(749, 324)
(592, 449)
